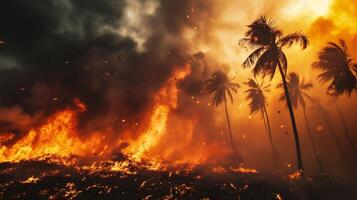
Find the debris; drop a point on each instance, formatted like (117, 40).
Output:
(30, 179)
(295, 176)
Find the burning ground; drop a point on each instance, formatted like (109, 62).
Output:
(107, 100)
(129, 180)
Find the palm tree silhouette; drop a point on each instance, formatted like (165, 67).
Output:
(258, 104)
(220, 86)
(297, 95)
(338, 69)
(269, 43)
(322, 111)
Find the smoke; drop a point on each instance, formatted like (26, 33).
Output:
(339, 23)
(113, 55)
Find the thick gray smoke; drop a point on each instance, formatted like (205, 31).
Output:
(112, 54)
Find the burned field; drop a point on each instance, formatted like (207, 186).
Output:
(123, 180)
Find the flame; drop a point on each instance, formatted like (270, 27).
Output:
(6, 137)
(151, 145)
(151, 137)
(55, 138)
(240, 169)
(52, 138)
(80, 105)
(295, 175)
(30, 179)
(166, 100)
(245, 170)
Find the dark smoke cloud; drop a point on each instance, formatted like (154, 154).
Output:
(55, 51)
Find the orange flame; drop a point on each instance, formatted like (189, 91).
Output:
(165, 100)
(57, 137)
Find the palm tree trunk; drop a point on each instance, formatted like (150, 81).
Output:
(293, 123)
(334, 137)
(346, 130)
(265, 123)
(317, 156)
(273, 149)
(237, 158)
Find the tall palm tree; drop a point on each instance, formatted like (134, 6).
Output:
(268, 56)
(257, 104)
(297, 95)
(322, 111)
(338, 69)
(221, 87)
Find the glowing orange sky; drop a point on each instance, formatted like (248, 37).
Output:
(218, 31)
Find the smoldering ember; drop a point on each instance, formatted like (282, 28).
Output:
(178, 99)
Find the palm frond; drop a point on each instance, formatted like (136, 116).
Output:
(253, 57)
(262, 32)
(220, 86)
(326, 76)
(338, 68)
(248, 42)
(256, 97)
(308, 97)
(267, 63)
(267, 86)
(332, 57)
(296, 89)
(230, 95)
(291, 39)
(307, 85)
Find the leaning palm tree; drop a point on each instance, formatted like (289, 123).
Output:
(297, 95)
(323, 112)
(338, 69)
(258, 104)
(268, 56)
(221, 88)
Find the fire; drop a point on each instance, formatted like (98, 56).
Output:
(152, 144)
(240, 169)
(150, 138)
(55, 138)
(59, 138)
(165, 100)
(295, 176)
(80, 105)
(30, 179)
(52, 138)
(6, 137)
(244, 170)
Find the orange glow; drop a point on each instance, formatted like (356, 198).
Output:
(151, 137)
(295, 176)
(6, 137)
(57, 137)
(166, 99)
(80, 105)
(244, 170)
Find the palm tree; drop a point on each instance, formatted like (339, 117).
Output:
(297, 95)
(221, 87)
(338, 69)
(268, 56)
(321, 110)
(258, 104)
